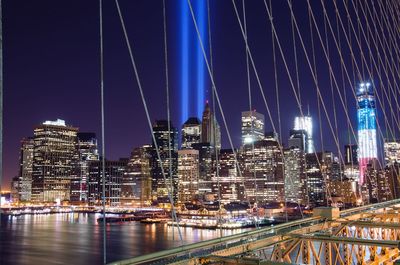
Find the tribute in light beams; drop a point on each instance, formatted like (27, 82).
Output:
(192, 64)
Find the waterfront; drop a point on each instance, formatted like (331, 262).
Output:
(76, 238)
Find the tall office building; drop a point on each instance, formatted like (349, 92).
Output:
(252, 127)
(54, 161)
(227, 185)
(25, 169)
(87, 152)
(136, 183)
(392, 152)
(114, 174)
(366, 115)
(318, 170)
(166, 139)
(206, 166)
(262, 169)
(188, 175)
(191, 132)
(295, 176)
(305, 123)
(210, 130)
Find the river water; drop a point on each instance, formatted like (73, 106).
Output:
(76, 238)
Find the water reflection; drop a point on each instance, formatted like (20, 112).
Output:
(76, 238)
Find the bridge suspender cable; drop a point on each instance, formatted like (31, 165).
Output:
(168, 107)
(251, 115)
(103, 148)
(215, 118)
(1, 101)
(170, 196)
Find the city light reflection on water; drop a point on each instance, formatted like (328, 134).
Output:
(76, 238)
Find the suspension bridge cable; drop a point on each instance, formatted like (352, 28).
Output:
(250, 110)
(364, 60)
(342, 61)
(168, 105)
(103, 148)
(215, 119)
(139, 84)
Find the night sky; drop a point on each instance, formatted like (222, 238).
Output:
(51, 69)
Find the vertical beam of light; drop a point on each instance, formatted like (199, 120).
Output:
(200, 74)
(184, 60)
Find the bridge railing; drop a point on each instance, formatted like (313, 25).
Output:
(209, 246)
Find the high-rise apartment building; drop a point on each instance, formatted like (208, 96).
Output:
(188, 175)
(191, 132)
(55, 159)
(366, 116)
(25, 169)
(252, 127)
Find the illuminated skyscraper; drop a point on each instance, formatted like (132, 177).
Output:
(188, 175)
(25, 169)
(252, 127)
(295, 176)
(87, 152)
(136, 184)
(366, 112)
(55, 160)
(305, 123)
(167, 144)
(262, 170)
(191, 132)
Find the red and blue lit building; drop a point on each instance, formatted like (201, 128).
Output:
(366, 118)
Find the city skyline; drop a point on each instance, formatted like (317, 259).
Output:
(38, 77)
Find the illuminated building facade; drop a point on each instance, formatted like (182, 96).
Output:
(228, 184)
(55, 160)
(87, 152)
(114, 174)
(191, 132)
(25, 169)
(206, 166)
(318, 168)
(295, 176)
(305, 123)
(262, 170)
(392, 152)
(136, 183)
(188, 175)
(252, 127)
(166, 139)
